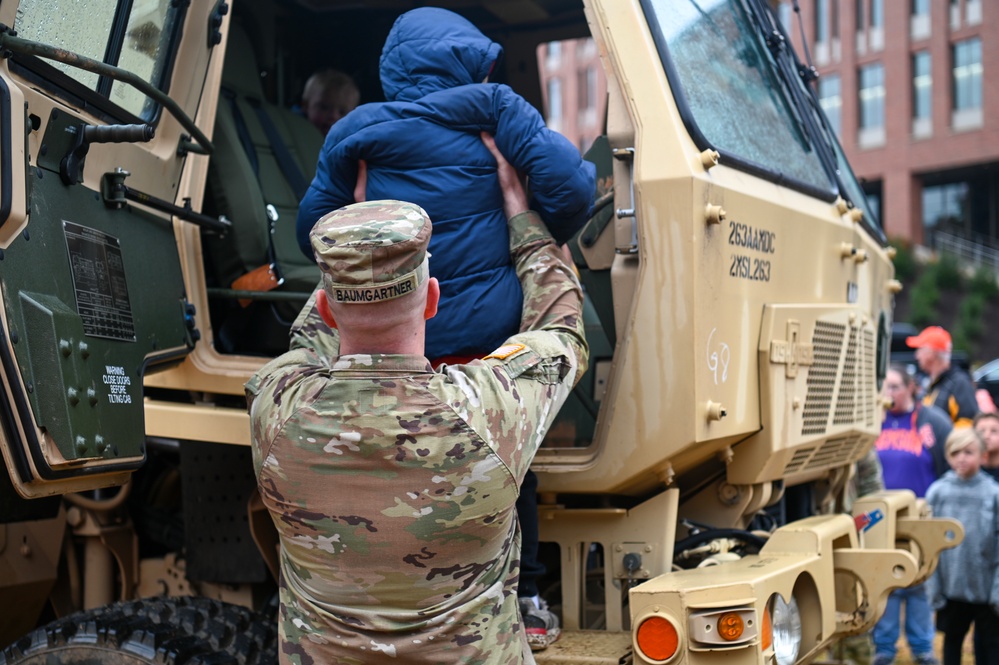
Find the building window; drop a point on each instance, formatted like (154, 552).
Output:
(919, 21)
(822, 21)
(877, 14)
(831, 100)
(822, 44)
(946, 209)
(968, 74)
(784, 13)
(554, 58)
(554, 102)
(586, 80)
(872, 105)
(876, 32)
(873, 192)
(860, 38)
(922, 95)
(967, 91)
(973, 11)
(586, 97)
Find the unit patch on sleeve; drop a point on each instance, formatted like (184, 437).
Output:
(505, 351)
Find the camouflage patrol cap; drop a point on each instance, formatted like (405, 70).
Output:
(372, 251)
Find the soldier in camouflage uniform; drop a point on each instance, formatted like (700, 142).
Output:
(867, 478)
(393, 486)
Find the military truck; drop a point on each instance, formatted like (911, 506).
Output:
(739, 307)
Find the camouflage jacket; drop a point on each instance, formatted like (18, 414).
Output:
(393, 486)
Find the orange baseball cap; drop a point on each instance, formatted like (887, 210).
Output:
(934, 337)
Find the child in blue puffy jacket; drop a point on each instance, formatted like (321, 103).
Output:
(423, 146)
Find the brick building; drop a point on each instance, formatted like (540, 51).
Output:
(574, 89)
(910, 87)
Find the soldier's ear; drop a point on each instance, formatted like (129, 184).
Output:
(433, 298)
(323, 305)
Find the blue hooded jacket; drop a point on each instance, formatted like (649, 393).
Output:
(423, 146)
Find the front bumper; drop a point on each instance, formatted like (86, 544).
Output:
(839, 576)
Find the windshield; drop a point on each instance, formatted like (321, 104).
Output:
(137, 36)
(726, 77)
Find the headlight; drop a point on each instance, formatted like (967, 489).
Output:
(786, 623)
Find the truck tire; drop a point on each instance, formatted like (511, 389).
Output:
(161, 631)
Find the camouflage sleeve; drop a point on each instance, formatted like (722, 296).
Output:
(869, 474)
(310, 332)
(511, 397)
(273, 393)
(553, 298)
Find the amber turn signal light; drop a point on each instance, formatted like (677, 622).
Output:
(731, 626)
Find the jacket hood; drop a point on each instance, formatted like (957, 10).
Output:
(431, 49)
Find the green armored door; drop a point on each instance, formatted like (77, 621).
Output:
(96, 101)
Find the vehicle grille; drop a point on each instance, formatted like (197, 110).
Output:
(832, 452)
(827, 344)
(855, 399)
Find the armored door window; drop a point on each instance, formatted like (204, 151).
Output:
(137, 36)
(725, 82)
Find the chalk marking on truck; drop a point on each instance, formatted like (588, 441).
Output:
(719, 357)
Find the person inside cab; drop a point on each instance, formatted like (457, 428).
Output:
(329, 95)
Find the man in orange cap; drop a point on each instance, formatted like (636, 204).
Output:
(950, 387)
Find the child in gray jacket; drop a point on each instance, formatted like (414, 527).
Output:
(965, 586)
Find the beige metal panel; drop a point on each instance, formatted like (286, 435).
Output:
(204, 369)
(29, 557)
(686, 379)
(648, 401)
(197, 422)
(587, 647)
(638, 532)
(17, 217)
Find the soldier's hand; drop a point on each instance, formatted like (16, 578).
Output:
(361, 188)
(514, 196)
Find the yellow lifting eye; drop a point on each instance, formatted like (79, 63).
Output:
(731, 626)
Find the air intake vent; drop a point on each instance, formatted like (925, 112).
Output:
(799, 460)
(846, 400)
(827, 344)
(870, 379)
(834, 452)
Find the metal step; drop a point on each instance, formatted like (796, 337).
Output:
(585, 647)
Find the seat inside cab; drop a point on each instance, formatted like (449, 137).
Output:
(265, 158)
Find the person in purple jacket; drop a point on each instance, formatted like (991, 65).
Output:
(424, 145)
(910, 449)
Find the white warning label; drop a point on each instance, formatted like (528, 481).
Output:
(117, 382)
